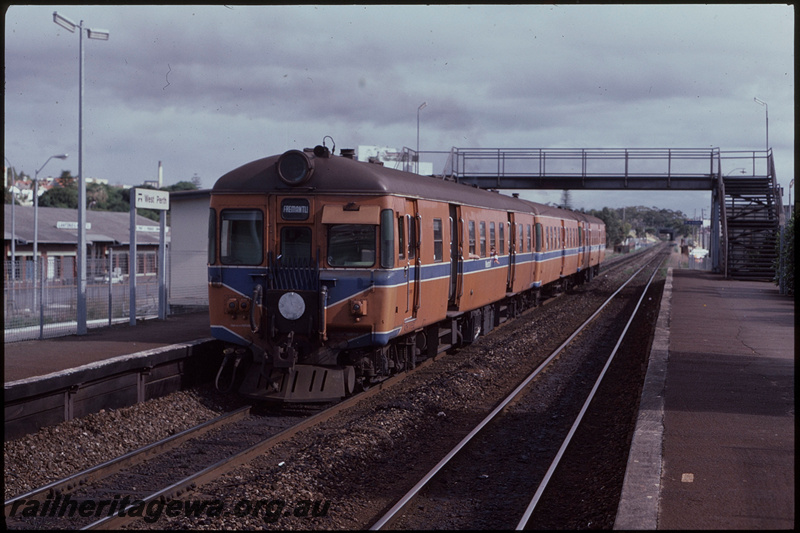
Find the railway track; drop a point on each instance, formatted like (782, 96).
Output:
(124, 489)
(180, 486)
(495, 477)
(76, 501)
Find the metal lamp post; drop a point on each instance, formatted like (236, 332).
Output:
(420, 108)
(102, 35)
(766, 111)
(13, 225)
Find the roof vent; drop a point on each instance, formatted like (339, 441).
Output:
(349, 153)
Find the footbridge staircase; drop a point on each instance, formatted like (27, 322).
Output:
(752, 215)
(746, 210)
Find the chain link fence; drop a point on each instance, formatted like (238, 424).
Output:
(40, 301)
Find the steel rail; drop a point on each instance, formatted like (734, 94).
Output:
(220, 468)
(543, 485)
(131, 458)
(402, 502)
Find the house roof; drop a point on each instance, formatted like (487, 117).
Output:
(60, 226)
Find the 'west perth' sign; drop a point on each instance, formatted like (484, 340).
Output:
(149, 199)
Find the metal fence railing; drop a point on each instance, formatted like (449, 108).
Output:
(39, 301)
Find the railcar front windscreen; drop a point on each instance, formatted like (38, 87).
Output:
(351, 245)
(241, 237)
(296, 242)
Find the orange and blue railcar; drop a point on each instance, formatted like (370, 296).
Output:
(327, 275)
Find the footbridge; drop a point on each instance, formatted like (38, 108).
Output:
(746, 210)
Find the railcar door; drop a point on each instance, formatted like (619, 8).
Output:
(512, 252)
(455, 256)
(562, 244)
(412, 271)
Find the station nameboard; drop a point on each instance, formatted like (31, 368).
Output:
(61, 224)
(150, 199)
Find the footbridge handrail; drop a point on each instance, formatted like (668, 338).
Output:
(583, 162)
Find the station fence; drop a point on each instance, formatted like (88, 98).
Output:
(38, 305)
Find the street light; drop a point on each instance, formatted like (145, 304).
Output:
(766, 110)
(13, 223)
(420, 108)
(102, 35)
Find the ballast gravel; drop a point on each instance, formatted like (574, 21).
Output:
(57, 451)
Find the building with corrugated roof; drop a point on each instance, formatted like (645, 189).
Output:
(107, 233)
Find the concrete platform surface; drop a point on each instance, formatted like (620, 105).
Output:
(725, 456)
(27, 359)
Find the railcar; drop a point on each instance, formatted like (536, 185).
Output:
(327, 275)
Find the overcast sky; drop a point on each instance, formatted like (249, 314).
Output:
(205, 89)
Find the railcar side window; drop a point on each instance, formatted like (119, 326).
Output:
(401, 237)
(472, 237)
(296, 242)
(538, 236)
(351, 245)
(212, 236)
(530, 245)
(412, 237)
(502, 239)
(241, 237)
(483, 239)
(387, 238)
(521, 243)
(438, 238)
(492, 237)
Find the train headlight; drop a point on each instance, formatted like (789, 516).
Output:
(295, 167)
(291, 306)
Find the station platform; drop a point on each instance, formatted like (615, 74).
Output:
(29, 359)
(50, 381)
(714, 444)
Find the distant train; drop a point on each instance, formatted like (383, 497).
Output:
(327, 274)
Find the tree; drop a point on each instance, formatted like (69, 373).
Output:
(181, 186)
(67, 179)
(97, 193)
(60, 197)
(616, 232)
(566, 199)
